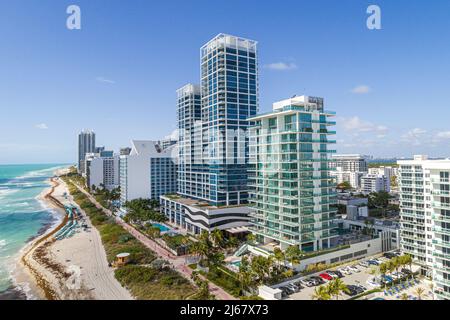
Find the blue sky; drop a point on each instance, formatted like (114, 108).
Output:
(118, 75)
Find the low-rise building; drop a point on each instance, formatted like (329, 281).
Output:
(196, 215)
(375, 183)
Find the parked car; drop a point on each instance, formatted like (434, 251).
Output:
(294, 287)
(351, 291)
(354, 268)
(326, 276)
(288, 290)
(318, 279)
(332, 274)
(364, 264)
(338, 273)
(373, 263)
(307, 282)
(361, 287)
(389, 255)
(345, 271)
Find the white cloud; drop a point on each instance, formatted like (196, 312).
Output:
(356, 125)
(41, 126)
(414, 136)
(281, 66)
(105, 80)
(443, 135)
(362, 89)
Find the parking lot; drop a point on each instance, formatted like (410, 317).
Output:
(355, 278)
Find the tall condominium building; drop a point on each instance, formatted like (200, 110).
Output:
(86, 144)
(292, 190)
(213, 125)
(424, 187)
(350, 162)
(148, 171)
(192, 176)
(102, 170)
(229, 89)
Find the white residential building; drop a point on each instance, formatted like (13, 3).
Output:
(148, 171)
(350, 162)
(349, 168)
(424, 187)
(375, 183)
(102, 170)
(354, 178)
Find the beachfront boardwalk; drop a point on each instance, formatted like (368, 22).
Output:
(178, 263)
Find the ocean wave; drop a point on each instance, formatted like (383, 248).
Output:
(3, 243)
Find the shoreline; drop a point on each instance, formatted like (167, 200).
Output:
(24, 276)
(47, 268)
(23, 284)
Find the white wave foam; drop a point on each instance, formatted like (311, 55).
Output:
(2, 243)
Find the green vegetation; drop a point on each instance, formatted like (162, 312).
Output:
(176, 241)
(334, 288)
(378, 203)
(344, 186)
(154, 284)
(382, 164)
(365, 294)
(142, 210)
(140, 276)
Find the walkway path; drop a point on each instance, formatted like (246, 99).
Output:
(177, 262)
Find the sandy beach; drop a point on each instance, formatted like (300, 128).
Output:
(74, 268)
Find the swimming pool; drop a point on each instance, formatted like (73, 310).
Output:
(161, 227)
(236, 263)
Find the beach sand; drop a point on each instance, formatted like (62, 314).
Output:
(71, 269)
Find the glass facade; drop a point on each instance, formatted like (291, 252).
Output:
(292, 193)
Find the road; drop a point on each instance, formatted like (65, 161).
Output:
(177, 262)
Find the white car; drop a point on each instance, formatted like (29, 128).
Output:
(353, 268)
(364, 264)
(344, 271)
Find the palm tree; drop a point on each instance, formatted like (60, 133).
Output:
(251, 238)
(419, 292)
(408, 261)
(321, 293)
(404, 296)
(336, 287)
(383, 269)
(293, 255)
(217, 237)
(279, 256)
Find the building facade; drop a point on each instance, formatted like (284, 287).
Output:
(102, 170)
(148, 171)
(291, 187)
(350, 162)
(229, 93)
(86, 144)
(375, 183)
(424, 187)
(213, 138)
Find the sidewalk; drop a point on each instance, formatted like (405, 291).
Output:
(177, 262)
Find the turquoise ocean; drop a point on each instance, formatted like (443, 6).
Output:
(22, 216)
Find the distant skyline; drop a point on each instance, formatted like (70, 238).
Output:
(119, 73)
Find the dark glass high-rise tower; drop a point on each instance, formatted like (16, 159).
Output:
(229, 91)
